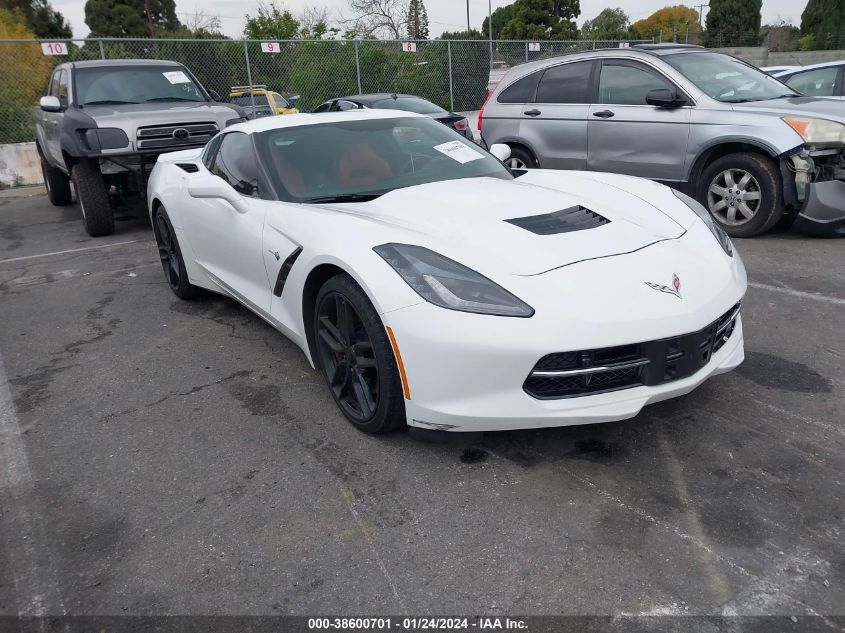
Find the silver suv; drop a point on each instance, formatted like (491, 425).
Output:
(751, 149)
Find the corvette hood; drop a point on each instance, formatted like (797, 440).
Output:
(532, 224)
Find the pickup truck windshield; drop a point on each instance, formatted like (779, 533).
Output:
(727, 79)
(133, 84)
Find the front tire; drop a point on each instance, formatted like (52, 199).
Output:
(97, 214)
(57, 183)
(521, 158)
(170, 254)
(743, 193)
(354, 354)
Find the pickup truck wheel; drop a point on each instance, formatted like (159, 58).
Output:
(97, 214)
(57, 183)
(743, 193)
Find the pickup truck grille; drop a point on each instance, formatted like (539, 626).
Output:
(175, 135)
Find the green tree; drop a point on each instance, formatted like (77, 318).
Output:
(501, 17)
(667, 22)
(610, 24)
(733, 23)
(41, 18)
(417, 20)
(129, 18)
(543, 20)
(273, 22)
(823, 25)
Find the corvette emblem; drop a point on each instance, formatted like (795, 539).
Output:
(674, 289)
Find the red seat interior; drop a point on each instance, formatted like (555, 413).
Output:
(290, 175)
(360, 165)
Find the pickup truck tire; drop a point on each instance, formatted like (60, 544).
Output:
(743, 193)
(97, 214)
(57, 183)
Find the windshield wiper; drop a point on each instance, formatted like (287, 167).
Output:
(345, 197)
(108, 102)
(170, 99)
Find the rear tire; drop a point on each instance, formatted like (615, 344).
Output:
(743, 193)
(97, 214)
(521, 159)
(57, 183)
(354, 354)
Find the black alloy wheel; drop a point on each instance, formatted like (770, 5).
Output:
(171, 257)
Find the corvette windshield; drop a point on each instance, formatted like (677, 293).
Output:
(350, 161)
(727, 79)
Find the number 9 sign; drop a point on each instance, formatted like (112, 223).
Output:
(54, 48)
(269, 47)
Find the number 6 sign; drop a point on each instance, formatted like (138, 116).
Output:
(269, 47)
(54, 48)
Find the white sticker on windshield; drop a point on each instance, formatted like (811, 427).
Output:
(458, 151)
(176, 77)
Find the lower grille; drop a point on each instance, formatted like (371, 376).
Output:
(570, 374)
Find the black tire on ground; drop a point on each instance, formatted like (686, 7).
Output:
(721, 186)
(170, 254)
(368, 344)
(57, 183)
(521, 158)
(97, 213)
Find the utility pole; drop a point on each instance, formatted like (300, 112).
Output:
(468, 29)
(490, 29)
(700, 8)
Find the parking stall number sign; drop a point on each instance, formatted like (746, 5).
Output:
(54, 48)
(534, 47)
(269, 47)
(409, 47)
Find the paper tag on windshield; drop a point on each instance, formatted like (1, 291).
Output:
(458, 151)
(176, 77)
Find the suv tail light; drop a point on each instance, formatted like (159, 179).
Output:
(481, 112)
(461, 125)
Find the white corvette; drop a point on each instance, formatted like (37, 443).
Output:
(432, 286)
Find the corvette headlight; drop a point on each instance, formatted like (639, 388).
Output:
(816, 130)
(448, 284)
(704, 214)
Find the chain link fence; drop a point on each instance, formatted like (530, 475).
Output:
(454, 74)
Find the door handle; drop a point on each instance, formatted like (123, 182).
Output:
(534, 112)
(604, 114)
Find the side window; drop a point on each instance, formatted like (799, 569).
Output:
(54, 84)
(235, 163)
(567, 83)
(210, 151)
(815, 83)
(323, 107)
(345, 105)
(280, 100)
(63, 90)
(627, 85)
(520, 91)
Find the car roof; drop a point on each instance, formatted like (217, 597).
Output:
(375, 96)
(295, 120)
(800, 69)
(104, 63)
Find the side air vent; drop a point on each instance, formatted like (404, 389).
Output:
(575, 218)
(191, 168)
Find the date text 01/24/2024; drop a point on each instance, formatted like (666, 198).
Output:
(416, 624)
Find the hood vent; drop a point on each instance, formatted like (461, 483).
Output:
(575, 218)
(191, 168)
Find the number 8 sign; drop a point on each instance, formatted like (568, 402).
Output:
(54, 48)
(409, 47)
(269, 47)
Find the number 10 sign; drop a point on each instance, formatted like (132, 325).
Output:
(54, 48)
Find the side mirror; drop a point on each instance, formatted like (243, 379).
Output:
(500, 151)
(214, 95)
(215, 187)
(664, 98)
(50, 104)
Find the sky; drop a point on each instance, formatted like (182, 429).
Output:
(443, 15)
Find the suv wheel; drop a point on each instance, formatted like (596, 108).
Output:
(97, 214)
(521, 159)
(743, 193)
(57, 183)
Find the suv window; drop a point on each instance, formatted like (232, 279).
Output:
(235, 163)
(815, 83)
(624, 84)
(520, 91)
(567, 83)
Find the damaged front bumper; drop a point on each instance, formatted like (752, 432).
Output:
(820, 189)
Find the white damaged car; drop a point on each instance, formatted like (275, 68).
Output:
(433, 286)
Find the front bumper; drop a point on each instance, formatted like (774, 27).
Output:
(823, 213)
